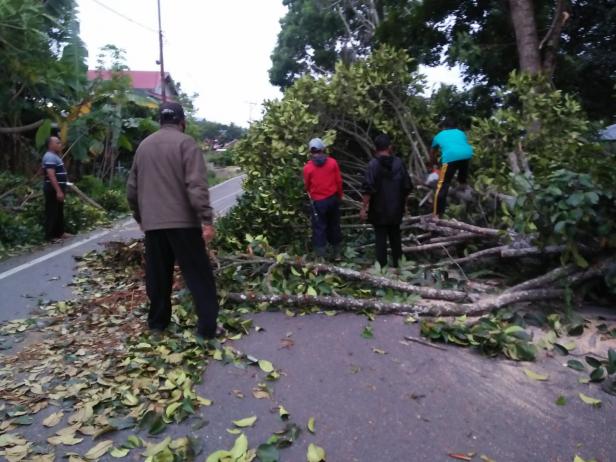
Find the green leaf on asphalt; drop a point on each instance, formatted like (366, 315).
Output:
(158, 448)
(240, 447)
(266, 366)
(118, 453)
(597, 375)
(561, 401)
(576, 365)
(533, 375)
(311, 424)
(247, 422)
(589, 400)
(367, 332)
(593, 362)
(315, 453)
(283, 413)
(157, 426)
(268, 453)
(53, 419)
(99, 450)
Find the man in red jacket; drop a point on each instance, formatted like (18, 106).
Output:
(324, 186)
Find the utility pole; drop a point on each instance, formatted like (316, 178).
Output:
(163, 82)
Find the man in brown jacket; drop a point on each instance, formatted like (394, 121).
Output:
(168, 193)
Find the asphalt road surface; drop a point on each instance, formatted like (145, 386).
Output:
(43, 275)
(382, 399)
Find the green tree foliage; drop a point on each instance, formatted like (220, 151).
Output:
(42, 61)
(540, 148)
(538, 130)
(370, 96)
(315, 34)
(477, 35)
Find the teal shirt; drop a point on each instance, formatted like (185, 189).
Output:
(454, 145)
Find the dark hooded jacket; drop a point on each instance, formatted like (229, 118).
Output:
(388, 183)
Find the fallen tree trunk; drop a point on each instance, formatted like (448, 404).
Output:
(469, 228)
(421, 308)
(550, 277)
(383, 282)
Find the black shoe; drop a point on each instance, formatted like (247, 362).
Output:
(220, 332)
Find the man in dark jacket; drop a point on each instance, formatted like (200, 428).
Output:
(385, 188)
(323, 183)
(168, 193)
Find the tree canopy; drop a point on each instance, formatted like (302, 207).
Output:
(575, 39)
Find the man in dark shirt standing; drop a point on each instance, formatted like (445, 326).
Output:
(168, 193)
(54, 188)
(323, 183)
(385, 188)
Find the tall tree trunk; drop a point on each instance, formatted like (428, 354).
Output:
(527, 39)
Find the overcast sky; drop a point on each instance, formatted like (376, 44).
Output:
(217, 48)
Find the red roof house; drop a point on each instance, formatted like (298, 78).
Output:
(147, 82)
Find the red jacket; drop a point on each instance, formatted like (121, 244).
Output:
(323, 182)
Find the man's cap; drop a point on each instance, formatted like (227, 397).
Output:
(171, 112)
(316, 144)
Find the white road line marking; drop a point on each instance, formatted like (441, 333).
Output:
(225, 197)
(55, 253)
(62, 250)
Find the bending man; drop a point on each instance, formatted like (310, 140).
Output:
(456, 153)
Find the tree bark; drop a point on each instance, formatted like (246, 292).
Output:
(527, 39)
(383, 282)
(21, 129)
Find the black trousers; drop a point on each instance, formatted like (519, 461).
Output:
(448, 171)
(326, 224)
(162, 248)
(54, 215)
(382, 233)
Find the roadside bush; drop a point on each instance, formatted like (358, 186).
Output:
(92, 186)
(19, 228)
(567, 208)
(114, 201)
(79, 216)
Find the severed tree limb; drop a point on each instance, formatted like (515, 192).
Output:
(547, 278)
(494, 302)
(436, 245)
(422, 307)
(461, 237)
(383, 282)
(494, 251)
(423, 342)
(509, 252)
(84, 197)
(469, 228)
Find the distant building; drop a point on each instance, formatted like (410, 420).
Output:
(147, 83)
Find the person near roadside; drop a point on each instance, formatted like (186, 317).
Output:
(168, 193)
(54, 189)
(385, 188)
(323, 184)
(456, 153)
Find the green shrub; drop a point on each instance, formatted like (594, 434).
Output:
(79, 216)
(113, 201)
(566, 208)
(92, 186)
(19, 228)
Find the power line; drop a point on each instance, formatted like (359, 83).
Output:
(124, 16)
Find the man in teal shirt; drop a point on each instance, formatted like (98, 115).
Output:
(455, 156)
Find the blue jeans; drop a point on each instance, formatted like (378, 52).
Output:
(326, 224)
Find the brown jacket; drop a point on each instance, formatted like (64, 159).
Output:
(167, 186)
